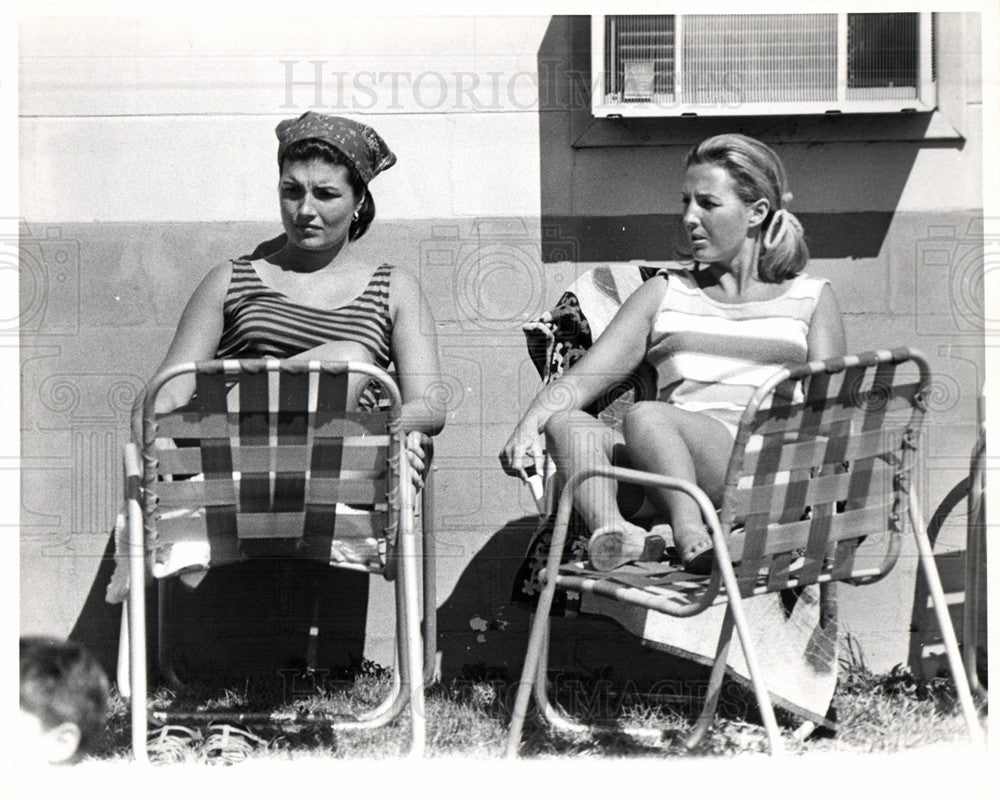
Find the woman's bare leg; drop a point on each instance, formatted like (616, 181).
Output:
(578, 441)
(670, 441)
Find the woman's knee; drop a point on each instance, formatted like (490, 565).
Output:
(563, 423)
(644, 418)
(567, 432)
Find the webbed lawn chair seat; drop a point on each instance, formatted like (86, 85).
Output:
(282, 470)
(821, 480)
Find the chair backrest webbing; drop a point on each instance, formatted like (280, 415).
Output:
(820, 465)
(279, 466)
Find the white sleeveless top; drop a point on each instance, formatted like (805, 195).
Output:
(710, 357)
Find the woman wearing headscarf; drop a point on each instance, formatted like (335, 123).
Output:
(309, 296)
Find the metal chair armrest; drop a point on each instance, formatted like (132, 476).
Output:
(709, 514)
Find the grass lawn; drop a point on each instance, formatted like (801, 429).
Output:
(888, 713)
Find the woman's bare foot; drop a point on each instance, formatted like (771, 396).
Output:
(694, 546)
(613, 546)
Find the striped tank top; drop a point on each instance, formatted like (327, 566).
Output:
(259, 321)
(710, 357)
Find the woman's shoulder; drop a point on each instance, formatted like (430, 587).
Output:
(804, 284)
(401, 278)
(403, 285)
(220, 275)
(264, 249)
(677, 276)
(676, 273)
(651, 293)
(214, 285)
(666, 268)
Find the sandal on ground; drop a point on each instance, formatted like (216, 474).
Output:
(698, 558)
(228, 744)
(172, 744)
(609, 549)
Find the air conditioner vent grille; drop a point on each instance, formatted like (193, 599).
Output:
(673, 65)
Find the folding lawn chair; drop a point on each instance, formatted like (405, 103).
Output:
(820, 482)
(284, 471)
(975, 551)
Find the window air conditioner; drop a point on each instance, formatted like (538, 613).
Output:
(676, 65)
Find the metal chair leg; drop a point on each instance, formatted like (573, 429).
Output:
(395, 701)
(532, 659)
(548, 710)
(944, 620)
(735, 607)
(413, 676)
(714, 681)
(136, 606)
(539, 627)
(535, 659)
(555, 717)
(122, 672)
(976, 523)
(390, 708)
(429, 584)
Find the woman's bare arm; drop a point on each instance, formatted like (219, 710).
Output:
(826, 337)
(614, 356)
(415, 353)
(196, 338)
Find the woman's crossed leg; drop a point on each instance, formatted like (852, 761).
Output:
(578, 441)
(665, 439)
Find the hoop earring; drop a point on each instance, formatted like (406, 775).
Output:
(756, 255)
(775, 229)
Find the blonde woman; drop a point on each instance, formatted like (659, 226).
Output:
(712, 331)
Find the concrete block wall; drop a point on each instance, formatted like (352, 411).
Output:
(147, 157)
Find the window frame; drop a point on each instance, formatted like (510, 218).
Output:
(957, 87)
(925, 100)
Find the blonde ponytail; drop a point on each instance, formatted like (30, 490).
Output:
(783, 250)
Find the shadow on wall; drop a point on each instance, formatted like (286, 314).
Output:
(247, 619)
(97, 624)
(483, 636)
(253, 619)
(611, 187)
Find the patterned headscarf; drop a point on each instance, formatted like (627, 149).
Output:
(363, 147)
